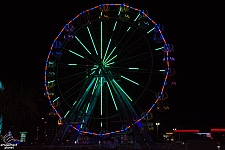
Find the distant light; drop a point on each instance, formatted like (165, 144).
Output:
(42, 118)
(186, 131)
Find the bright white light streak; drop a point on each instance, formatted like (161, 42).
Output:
(134, 68)
(161, 70)
(111, 59)
(122, 90)
(76, 54)
(112, 96)
(159, 48)
(150, 30)
(92, 40)
(110, 54)
(82, 45)
(129, 80)
(101, 39)
(72, 64)
(87, 107)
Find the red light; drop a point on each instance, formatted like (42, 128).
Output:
(186, 131)
(218, 130)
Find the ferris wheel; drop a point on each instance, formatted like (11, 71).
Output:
(109, 64)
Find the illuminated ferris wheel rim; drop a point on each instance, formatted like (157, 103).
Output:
(166, 74)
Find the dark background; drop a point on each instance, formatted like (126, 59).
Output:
(27, 30)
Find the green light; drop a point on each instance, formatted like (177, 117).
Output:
(87, 108)
(136, 17)
(162, 70)
(51, 81)
(56, 99)
(128, 29)
(130, 80)
(74, 103)
(107, 49)
(119, 11)
(159, 48)
(94, 86)
(72, 64)
(92, 40)
(90, 84)
(101, 96)
(76, 54)
(112, 96)
(110, 54)
(114, 28)
(134, 68)
(150, 30)
(101, 39)
(83, 45)
(110, 64)
(66, 113)
(111, 59)
(122, 90)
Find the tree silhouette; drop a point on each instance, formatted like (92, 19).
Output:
(19, 104)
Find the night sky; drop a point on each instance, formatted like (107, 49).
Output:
(196, 30)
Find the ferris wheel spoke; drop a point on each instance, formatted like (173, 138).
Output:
(112, 96)
(122, 49)
(141, 56)
(114, 27)
(132, 69)
(118, 86)
(81, 56)
(74, 86)
(101, 40)
(69, 65)
(132, 50)
(84, 48)
(92, 40)
(71, 77)
(133, 43)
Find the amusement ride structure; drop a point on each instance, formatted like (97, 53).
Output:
(106, 70)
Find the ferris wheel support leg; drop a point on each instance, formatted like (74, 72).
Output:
(72, 115)
(130, 109)
(86, 115)
(127, 115)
